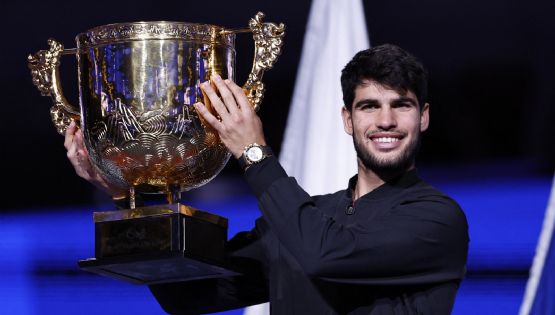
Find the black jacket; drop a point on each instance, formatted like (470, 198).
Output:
(400, 249)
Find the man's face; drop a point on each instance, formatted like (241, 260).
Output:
(385, 126)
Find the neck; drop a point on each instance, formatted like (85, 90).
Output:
(369, 179)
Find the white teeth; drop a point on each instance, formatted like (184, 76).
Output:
(385, 140)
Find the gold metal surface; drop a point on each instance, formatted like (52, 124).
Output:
(138, 83)
(44, 69)
(142, 212)
(160, 30)
(268, 39)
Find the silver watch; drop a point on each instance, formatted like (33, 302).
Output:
(254, 153)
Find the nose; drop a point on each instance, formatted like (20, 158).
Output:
(386, 118)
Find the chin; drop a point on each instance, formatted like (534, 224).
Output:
(388, 163)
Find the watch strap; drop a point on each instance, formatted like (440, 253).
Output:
(244, 163)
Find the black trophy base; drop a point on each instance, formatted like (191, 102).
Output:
(159, 244)
(154, 269)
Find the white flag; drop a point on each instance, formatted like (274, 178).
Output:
(316, 150)
(540, 290)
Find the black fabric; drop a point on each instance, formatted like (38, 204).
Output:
(401, 250)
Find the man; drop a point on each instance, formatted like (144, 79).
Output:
(388, 244)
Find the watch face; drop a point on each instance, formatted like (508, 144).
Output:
(254, 154)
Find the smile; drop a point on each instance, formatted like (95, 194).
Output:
(385, 139)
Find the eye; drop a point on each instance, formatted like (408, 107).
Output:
(403, 106)
(369, 107)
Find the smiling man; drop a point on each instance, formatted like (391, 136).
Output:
(388, 126)
(387, 244)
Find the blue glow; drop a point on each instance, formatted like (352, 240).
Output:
(40, 249)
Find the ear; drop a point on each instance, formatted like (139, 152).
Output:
(347, 121)
(425, 117)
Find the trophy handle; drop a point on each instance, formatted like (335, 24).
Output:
(268, 39)
(44, 66)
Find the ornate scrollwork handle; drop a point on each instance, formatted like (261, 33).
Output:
(268, 39)
(44, 66)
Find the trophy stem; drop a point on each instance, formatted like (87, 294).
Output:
(173, 194)
(132, 197)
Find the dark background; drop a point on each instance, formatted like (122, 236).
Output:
(491, 85)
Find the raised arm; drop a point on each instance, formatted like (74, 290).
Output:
(419, 241)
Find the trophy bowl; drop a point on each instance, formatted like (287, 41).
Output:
(137, 86)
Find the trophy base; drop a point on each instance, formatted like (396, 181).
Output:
(154, 269)
(159, 244)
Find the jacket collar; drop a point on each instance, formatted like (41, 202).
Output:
(405, 180)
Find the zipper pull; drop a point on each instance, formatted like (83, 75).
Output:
(350, 209)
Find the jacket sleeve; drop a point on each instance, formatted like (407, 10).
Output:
(419, 241)
(217, 295)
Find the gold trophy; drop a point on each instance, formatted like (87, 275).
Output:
(137, 86)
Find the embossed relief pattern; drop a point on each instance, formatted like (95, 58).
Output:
(142, 128)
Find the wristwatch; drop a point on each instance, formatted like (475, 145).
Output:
(254, 153)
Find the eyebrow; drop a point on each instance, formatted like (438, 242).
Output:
(367, 101)
(404, 99)
(399, 100)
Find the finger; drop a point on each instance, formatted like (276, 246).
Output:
(240, 96)
(226, 94)
(79, 140)
(83, 153)
(81, 170)
(214, 99)
(72, 149)
(70, 132)
(74, 159)
(82, 164)
(76, 147)
(87, 165)
(207, 115)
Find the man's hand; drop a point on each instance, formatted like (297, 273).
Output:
(238, 125)
(79, 158)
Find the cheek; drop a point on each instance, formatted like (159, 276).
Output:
(363, 121)
(360, 126)
(410, 123)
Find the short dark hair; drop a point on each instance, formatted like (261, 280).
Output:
(388, 65)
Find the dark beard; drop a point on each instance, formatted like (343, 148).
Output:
(388, 168)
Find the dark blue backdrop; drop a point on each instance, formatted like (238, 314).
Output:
(490, 144)
(39, 247)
